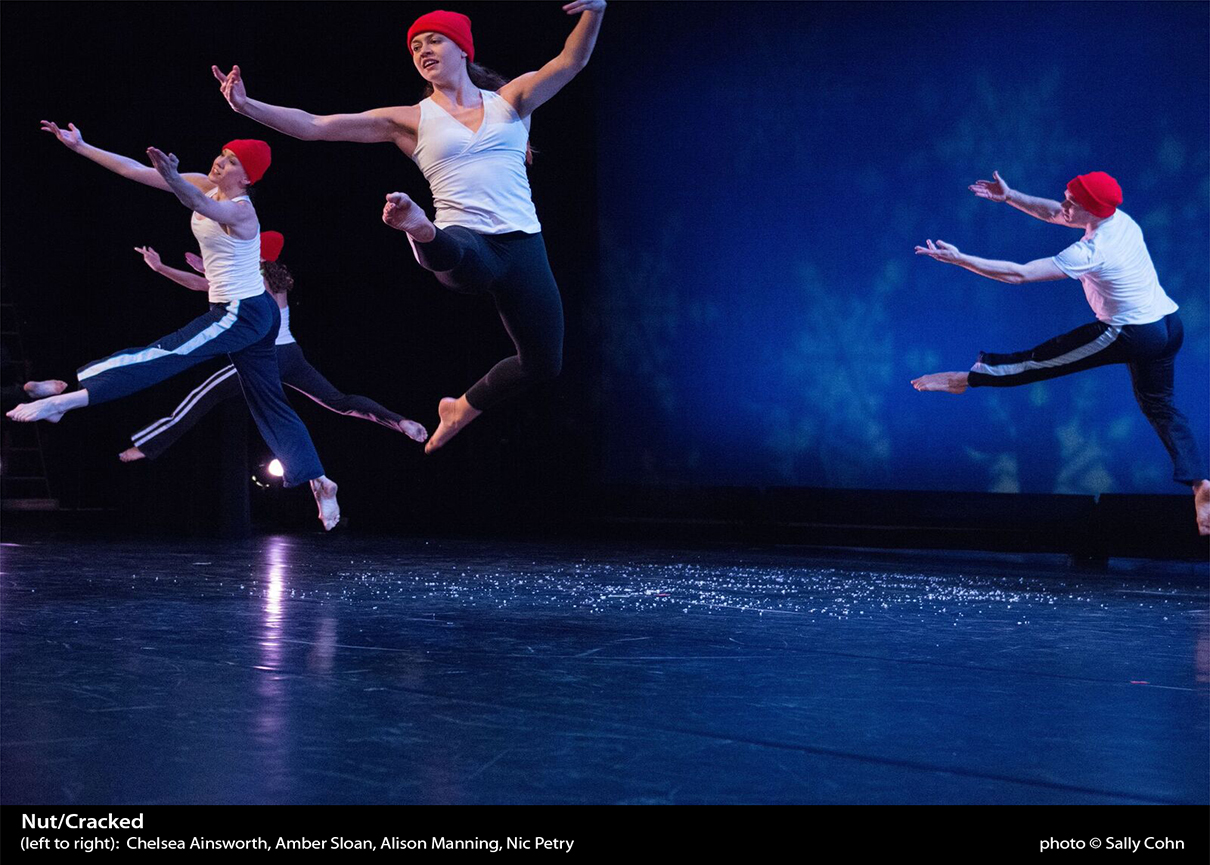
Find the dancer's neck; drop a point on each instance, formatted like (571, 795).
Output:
(1091, 228)
(227, 192)
(462, 93)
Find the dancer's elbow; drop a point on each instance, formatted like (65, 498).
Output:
(311, 130)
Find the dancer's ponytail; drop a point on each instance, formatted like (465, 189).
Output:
(279, 278)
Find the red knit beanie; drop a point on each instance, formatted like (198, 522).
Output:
(253, 154)
(1096, 192)
(271, 243)
(455, 25)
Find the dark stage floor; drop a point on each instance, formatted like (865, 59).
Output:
(347, 669)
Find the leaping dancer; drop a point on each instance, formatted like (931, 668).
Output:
(1137, 322)
(242, 322)
(470, 139)
(157, 437)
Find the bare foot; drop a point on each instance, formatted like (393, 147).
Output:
(455, 414)
(946, 382)
(401, 213)
(50, 387)
(131, 454)
(1201, 504)
(412, 430)
(49, 409)
(324, 491)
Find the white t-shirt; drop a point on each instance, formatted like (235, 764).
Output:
(478, 178)
(1116, 271)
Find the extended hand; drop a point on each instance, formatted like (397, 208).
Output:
(70, 137)
(195, 261)
(942, 251)
(578, 6)
(232, 86)
(165, 163)
(995, 190)
(150, 256)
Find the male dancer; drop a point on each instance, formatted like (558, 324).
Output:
(1137, 322)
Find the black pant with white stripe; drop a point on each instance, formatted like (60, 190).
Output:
(296, 372)
(244, 330)
(1148, 350)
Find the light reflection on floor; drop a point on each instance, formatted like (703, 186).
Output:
(347, 669)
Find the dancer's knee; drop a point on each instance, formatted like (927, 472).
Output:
(342, 403)
(1156, 408)
(542, 367)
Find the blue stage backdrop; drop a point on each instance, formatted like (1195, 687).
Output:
(765, 172)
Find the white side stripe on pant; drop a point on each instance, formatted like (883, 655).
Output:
(185, 407)
(152, 353)
(1101, 343)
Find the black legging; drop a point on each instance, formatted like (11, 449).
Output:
(513, 269)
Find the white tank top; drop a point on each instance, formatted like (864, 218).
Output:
(232, 265)
(284, 337)
(478, 178)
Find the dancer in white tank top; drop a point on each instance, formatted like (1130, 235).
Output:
(242, 322)
(470, 139)
(152, 440)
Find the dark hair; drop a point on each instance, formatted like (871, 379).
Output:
(280, 280)
(484, 79)
(481, 77)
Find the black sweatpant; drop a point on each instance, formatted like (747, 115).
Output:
(244, 331)
(1148, 350)
(296, 372)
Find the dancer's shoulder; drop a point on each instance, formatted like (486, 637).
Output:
(399, 116)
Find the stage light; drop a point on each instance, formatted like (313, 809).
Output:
(269, 474)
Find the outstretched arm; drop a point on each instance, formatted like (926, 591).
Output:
(73, 140)
(1038, 270)
(191, 281)
(368, 127)
(239, 216)
(998, 190)
(526, 92)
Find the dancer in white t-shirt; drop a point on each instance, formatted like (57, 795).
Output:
(1137, 322)
(470, 139)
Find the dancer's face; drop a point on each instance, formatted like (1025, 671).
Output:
(436, 57)
(1073, 213)
(227, 168)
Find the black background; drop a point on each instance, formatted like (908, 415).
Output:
(132, 75)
